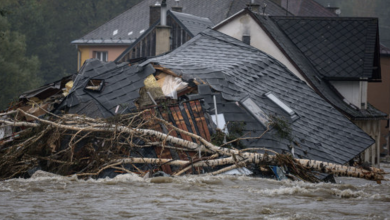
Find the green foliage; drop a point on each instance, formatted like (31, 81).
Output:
(18, 72)
(282, 127)
(236, 130)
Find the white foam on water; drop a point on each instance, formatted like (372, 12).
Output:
(280, 191)
(123, 178)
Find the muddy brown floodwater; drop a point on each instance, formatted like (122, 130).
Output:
(47, 196)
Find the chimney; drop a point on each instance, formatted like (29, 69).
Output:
(163, 32)
(253, 6)
(335, 10)
(154, 13)
(177, 8)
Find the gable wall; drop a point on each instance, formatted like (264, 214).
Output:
(246, 25)
(354, 91)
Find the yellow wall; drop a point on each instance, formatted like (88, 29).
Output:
(86, 52)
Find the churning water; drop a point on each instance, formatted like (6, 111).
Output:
(47, 196)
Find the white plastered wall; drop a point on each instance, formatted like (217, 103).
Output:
(372, 128)
(246, 25)
(354, 91)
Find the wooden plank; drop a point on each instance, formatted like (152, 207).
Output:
(176, 114)
(202, 120)
(172, 132)
(165, 70)
(163, 154)
(191, 121)
(198, 120)
(180, 122)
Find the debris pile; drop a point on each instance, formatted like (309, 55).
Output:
(147, 120)
(87, 147)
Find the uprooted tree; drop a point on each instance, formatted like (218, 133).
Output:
(113, 143)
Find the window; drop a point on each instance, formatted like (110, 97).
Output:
(251, 106)
(282, 105)
(279, 102)
(246, 39)
(100, 55)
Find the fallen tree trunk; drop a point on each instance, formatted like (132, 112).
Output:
(236, 157)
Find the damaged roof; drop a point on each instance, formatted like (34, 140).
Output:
(339, 48)
(311, 72)
(121, 88)
(237, 71)
(128, 26)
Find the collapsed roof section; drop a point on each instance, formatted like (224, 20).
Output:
(237, 71)
(240, 84)
(120, 85)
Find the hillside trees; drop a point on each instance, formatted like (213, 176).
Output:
(18, 72)
(51, 25)
(39, 32)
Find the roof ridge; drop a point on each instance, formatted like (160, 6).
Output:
(111, 19)
(323, 7)
(321, 18)
(182, 13)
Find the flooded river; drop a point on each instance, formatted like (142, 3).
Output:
(46, 196)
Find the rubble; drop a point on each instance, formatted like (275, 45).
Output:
(135, 143)
(192, 113)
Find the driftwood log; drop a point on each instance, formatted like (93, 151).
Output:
(232, 157)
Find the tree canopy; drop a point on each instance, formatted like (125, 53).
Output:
(39, 32)
(18, 71)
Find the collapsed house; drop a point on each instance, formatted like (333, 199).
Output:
(218, 81)
(198, 109)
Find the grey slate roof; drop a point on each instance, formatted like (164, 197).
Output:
(306, 8)
(130, 23)
(337, 47)
(236, 70)
(121, 87)
(322, 86)
(194, 24)
(384, 50)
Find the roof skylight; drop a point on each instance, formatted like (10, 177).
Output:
(115, 32)
(130, 33)
(279, 102)
(256, 111)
